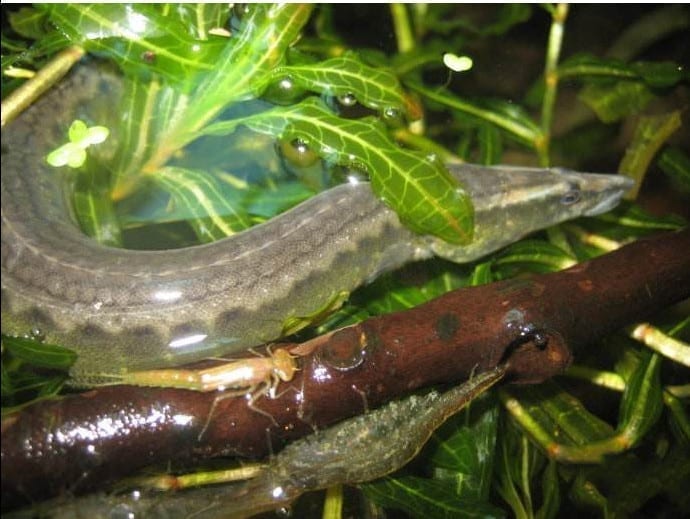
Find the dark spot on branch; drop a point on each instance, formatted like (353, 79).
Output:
(447, 326)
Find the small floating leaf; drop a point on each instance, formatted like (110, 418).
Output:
(77, 131)
(73, 154)
(457, 63)
(68, 154)
(96, 135)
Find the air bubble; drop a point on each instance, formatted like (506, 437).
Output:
(347, 100)
(391, 113)
(286, 84)
(298, 153)
(35, 334)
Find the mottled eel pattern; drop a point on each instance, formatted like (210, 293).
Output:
(124, 309)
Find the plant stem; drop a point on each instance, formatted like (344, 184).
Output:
(45, 78)
(403, 28)
(553, 51)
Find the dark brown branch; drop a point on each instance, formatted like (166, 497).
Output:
(79, 442)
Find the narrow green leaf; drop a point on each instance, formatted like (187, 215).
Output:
(553, 415)
(642, 399)
(267, 203)
(650, 134)
(633, 216)
(213, 217)
(138, 37)
(586, 65)
(654, 74)
(676, 164)
(506, 116)
(421, 191)
(463, 455)
(656, 477)
(662, 74)
(481, 274)
(28, 22)
(536, 255)
(374, 87)
(509, 15)
(612, 102)
(198, 19)
(97, 216)
(157, 108)
(551, 495)
(490, 145)
(38, 353)
(425, 498)
(243, 69)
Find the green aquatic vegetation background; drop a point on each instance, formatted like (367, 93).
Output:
(301, 103)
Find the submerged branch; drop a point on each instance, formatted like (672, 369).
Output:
(532, 325)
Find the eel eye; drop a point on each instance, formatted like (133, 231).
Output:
(572, 196)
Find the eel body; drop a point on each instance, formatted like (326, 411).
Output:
(126, 310)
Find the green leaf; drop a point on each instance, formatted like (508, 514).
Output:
(243, 69)
(444, 19)
(653, 478)
(551, 415)
(425, 498)
(38, 353)
(551, 500)
(421, 191)
(536, 255)
(463, 455)
(642, 399)
(613, 102)
(212, 216)
(97, 216)
(586, 65)
(650, 134)
(270, 202)
(138, 37)
(198, 19)
(69, 154)
(374, 87)
(73, 154)
(157, 107)
(676, 164)
(653, 74)
(481, 274)
(504, 115)
(28, 22)
(490, 145)
(661, 74)
(77, 131)
(509, 15)
(634, 217)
